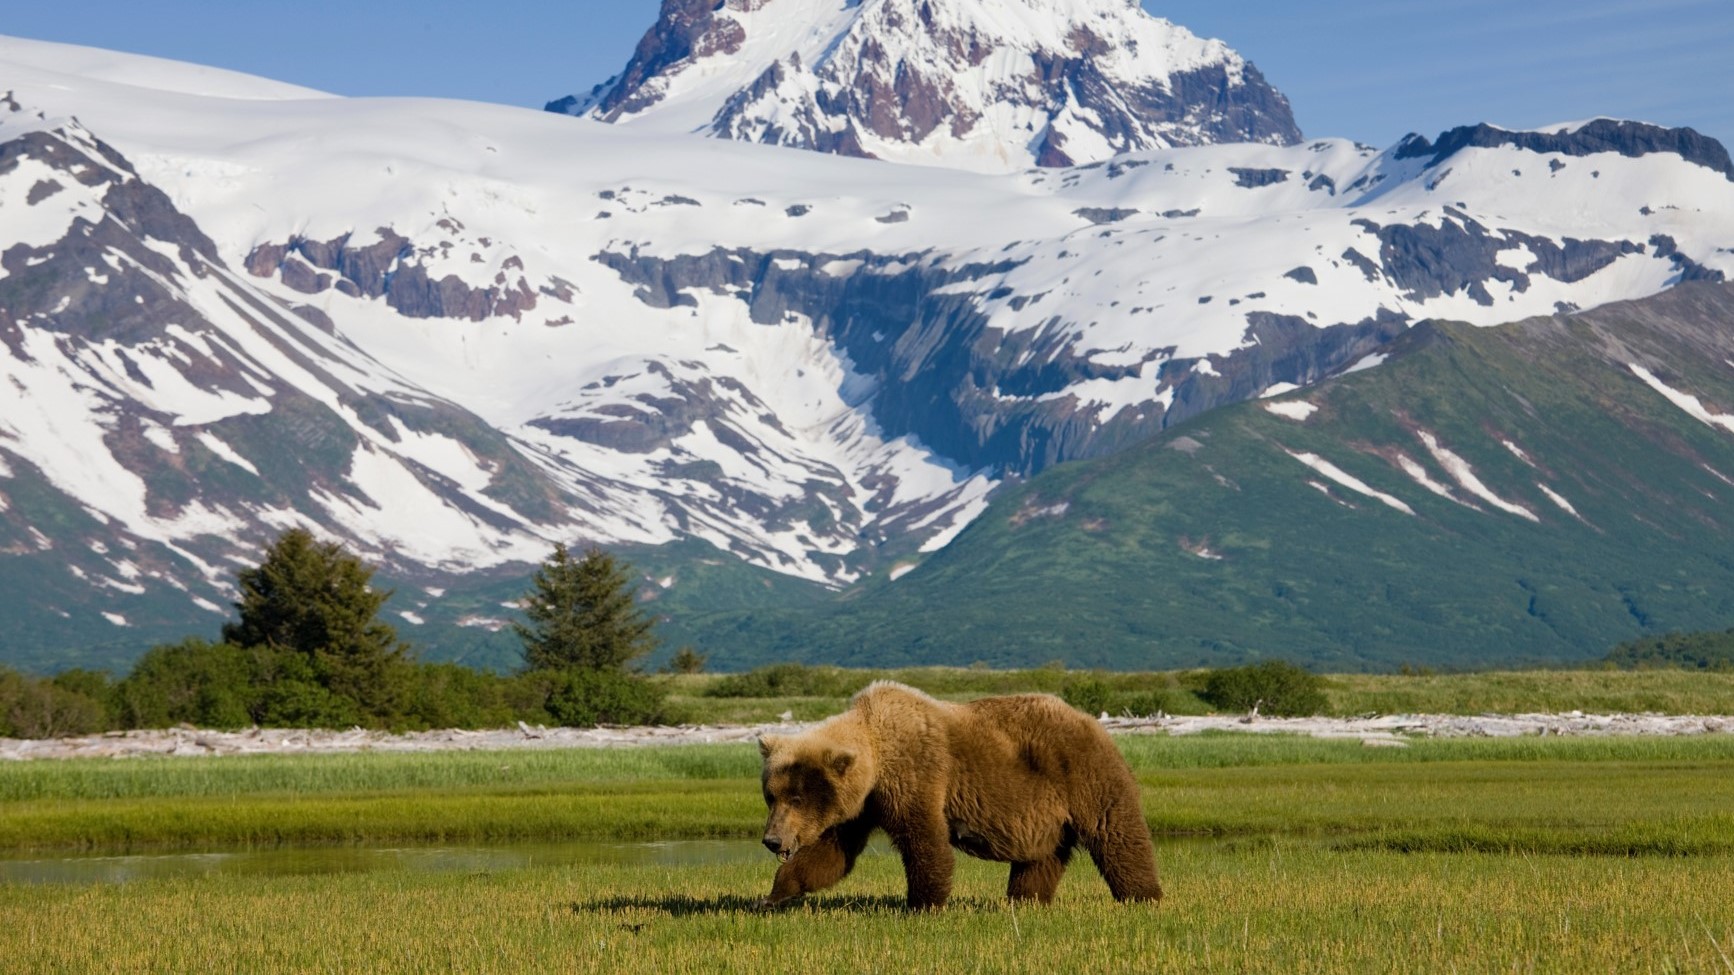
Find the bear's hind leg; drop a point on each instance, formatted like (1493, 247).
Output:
(1037, 880)
(819, 866)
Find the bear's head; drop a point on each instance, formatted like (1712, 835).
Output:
(811, 783)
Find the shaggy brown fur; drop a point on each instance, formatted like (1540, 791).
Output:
(1021, 780)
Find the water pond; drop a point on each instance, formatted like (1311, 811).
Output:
(98, 869)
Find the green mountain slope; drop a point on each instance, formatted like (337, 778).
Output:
(1586, 507)
(1536, 492)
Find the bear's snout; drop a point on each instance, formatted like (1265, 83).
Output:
(775, 845)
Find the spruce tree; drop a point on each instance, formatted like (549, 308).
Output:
(584, 613)
(311, 605)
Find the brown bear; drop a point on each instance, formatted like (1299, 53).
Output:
(1020, 779)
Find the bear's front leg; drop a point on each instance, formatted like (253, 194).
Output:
(1123, 852)
(927, 861)
(819, 866)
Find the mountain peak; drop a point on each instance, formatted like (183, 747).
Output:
(972, 84)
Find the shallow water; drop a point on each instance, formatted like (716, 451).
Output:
(87, 869)
(316, 860)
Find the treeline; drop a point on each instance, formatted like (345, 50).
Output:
(309, 650)
(1684, 651)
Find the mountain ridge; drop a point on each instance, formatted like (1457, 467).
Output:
(1532, 493)
(763, 372)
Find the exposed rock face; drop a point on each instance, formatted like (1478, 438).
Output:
(979, 395)
(390, 267)
(981, 84)
(1462, 255)
(1632, 139)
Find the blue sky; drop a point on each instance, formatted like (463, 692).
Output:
(1365, 69)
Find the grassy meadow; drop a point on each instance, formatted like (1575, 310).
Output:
(1278, 854)
(810, 693)
(1276, 907)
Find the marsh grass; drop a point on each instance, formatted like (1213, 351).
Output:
(308, 775)
(1280, 907)
(1279, 855)
(1616, 795)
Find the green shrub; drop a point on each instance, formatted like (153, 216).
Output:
(1686, 651)
(1089, 695)
(1274, 687)
(789, 680)
(455, 696)
(1095, 696)
(306, 704)
(1152, 703)
(195, 682)
(31, 707)
(582, 697)
(96, 685)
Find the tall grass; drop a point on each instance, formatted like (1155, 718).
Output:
(1152, 752)
(1534, 794)
(305, 775)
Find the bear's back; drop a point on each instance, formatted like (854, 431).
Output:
(1041, 728)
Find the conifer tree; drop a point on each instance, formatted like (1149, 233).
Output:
(312, 605)
(584, 613)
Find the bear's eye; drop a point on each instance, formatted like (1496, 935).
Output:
(795, 801)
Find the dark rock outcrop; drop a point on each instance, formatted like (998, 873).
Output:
(1254, 178)
(390, 268)
(1462, 255)
(1631, 139)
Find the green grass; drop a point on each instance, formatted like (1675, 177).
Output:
(1279, 855)
(1278, 908)
(1511, 692)
(1558, 795)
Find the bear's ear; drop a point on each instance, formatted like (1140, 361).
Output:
(839, 762)
(768, 744)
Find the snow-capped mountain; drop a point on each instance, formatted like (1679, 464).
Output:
(989, 85)
(161, 417)
(515, 325)
(1488, 497)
